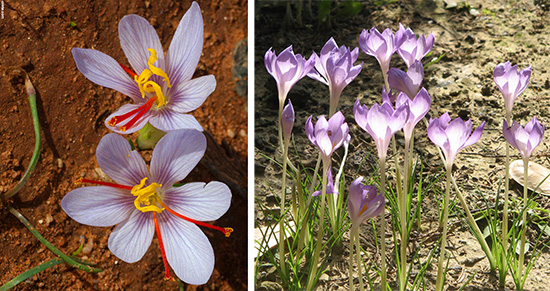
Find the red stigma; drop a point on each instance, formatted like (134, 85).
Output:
(137, 113)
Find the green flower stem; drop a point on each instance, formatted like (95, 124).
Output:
(503, 268)
(359, 262)
(403, 220)
(36, 154)
(383, 224)
(29, 273)
(440, 274)
(282, 217)
(472, 221)
(320, 231)
(351, 241)
(51, 247)
(523, 221)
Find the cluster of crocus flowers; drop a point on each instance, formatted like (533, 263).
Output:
(161, 87)
(142, 202)
(334, 67)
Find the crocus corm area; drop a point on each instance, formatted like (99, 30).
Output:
(161, 87)
(142, 202)
(525, 140)
(452, 136)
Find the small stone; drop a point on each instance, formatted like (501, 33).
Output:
(49, 219)
(324, 277)
(230, 133)
(87, 249)
(270, 286)
(60, 163)
(242, 133)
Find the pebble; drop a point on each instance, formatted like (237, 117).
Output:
(87, 249)
(230, 133)
(60, 163)
(242, 133)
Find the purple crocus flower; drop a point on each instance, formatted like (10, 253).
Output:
(419, 106)
(381, 122)
(334, 67)
(143, 202)
(363, 202)
(414, 49)
(287, 69)
(511, 83)
(381, 45)
(452, 136)
(161, 87)
(409, 82)
(287, 121)
(525, 140)
(329, 135)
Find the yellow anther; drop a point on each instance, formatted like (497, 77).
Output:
(155, 70)
(227, 231)
(365, 207)
(145, 85)
(146, 198)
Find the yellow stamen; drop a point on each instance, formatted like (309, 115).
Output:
(146, 198)
(145, 85)
(365, 207)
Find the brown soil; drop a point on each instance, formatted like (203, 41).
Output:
(37, 36)
(475, 39)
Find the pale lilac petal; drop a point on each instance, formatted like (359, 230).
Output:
(199, 201)
(168, 120)
(105, 71)
(436, 134)
(116, 158)
(310, 130)
(125, 109)
(318, 72)
(186, 46)
(175, 155)
(476, 135)
(130, 240)
(287, 121)
(188, 251)
(508, 132)
(98, 205)
(137, 36)
(189, 95)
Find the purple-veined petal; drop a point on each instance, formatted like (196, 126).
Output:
(199, 201)
(187, 96)
(188, 251)
(125, 109)
(116, 158)
(169, 120)
(186, 46)
(175, 155)
(137, 36)
(105, 71)
(130, 240)
(98, 205)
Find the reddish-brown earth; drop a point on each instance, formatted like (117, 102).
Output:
(37, 36)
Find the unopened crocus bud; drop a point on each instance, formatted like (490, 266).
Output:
(452, 136)
(511, 83)
(364, 202)
(287, 121)
(525, 140)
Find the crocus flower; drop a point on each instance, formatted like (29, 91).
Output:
(414, 49)
(409, 82)
(381, 45)
(161, 87)
(511, 83)
(287, 69)
(452, 136)
(142, 202)
(287, 121)
(381, 122)
(419, 106)
(329, 135)
(334, 67)
(525, 140)
(363, 202)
